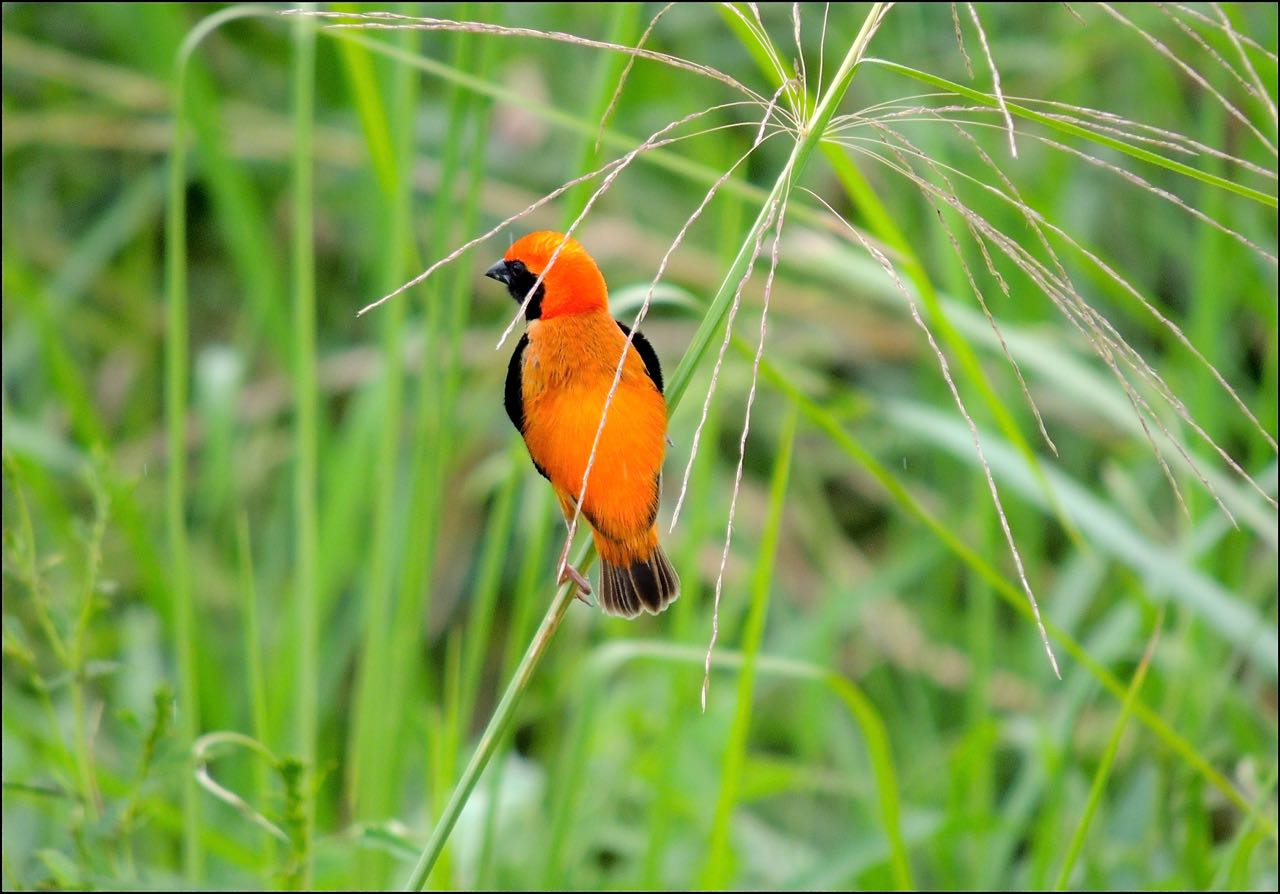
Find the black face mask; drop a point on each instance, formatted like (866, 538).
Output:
(518, 280)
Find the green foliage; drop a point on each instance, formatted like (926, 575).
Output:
(270, 569)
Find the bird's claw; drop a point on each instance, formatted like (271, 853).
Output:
(569, 573)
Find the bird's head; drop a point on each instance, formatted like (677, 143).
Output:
(573, 285)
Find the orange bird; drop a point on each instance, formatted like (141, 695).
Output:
(557, 383)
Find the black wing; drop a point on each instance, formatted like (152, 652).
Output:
(513, 397)
(647, 354)
(654, 369)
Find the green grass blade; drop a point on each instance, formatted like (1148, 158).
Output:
(1108, 756)
(253, 672)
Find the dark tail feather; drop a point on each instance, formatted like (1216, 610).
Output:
(644, 585)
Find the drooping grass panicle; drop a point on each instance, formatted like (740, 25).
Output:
(742, 440)
(1099, 326)
(1253, 86)
(1171, 198)
(1226, 27)
(986, 311)
(1103, 334)
(1141, 132)
(622, 78)
(390, 21)
(995, 78)
(943, 365)
(1074, 307)
(652, 143)
(1083, 117)
(1192, 73)
(715, 369)
(1092, 325)
(955, 22)
(1260, 87)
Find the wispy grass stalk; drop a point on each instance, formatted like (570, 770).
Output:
(624, 22)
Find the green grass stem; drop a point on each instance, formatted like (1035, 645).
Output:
(305, 431)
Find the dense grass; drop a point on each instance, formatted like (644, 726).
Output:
(270, 567)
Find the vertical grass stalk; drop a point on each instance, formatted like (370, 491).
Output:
(175, 403)
(305, 426)
(389, 136)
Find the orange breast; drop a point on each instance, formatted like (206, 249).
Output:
(568, 367)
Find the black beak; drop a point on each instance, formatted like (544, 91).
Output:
(500, 271)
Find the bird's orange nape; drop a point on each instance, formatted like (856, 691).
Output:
(574, 283)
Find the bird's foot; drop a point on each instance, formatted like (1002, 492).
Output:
(569, 573)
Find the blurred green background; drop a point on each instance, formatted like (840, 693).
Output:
(320, 605)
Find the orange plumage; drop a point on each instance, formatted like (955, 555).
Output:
(557, 383)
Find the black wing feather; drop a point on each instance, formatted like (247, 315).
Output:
(647, 354)
(513, 396)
